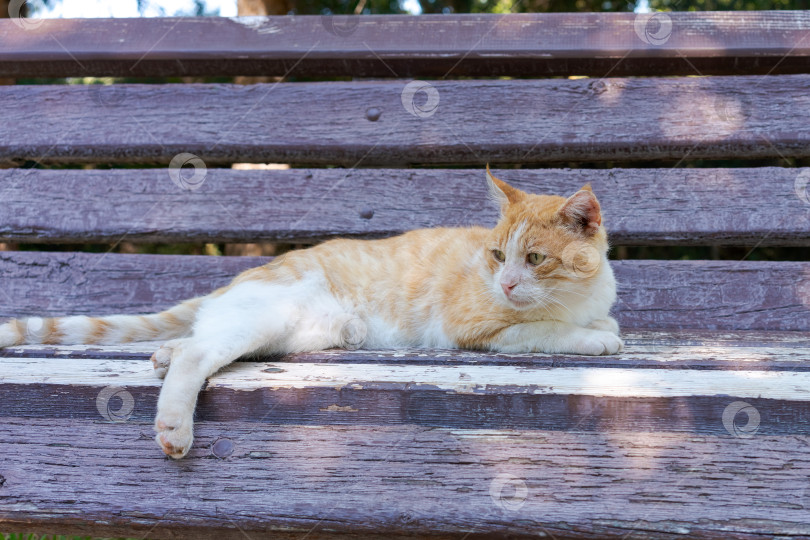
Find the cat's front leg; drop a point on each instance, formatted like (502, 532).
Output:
(556, 337)
(608, 324)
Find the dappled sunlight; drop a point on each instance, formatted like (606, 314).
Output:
(687, 382)
(702, 114)
(642, 454)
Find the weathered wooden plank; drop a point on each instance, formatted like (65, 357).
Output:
(647, 349)
(397, 481)
(468, 396)
(337, 123)
(709, 295)
(640, 206)
(431, 45)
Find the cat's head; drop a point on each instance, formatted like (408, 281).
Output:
(544, 248)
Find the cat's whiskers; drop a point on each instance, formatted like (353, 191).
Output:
(567, 291)
(556, 301)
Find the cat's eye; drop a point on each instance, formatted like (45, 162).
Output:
(498, 254)
(535, 258)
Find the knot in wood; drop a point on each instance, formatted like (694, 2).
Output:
(598, 87)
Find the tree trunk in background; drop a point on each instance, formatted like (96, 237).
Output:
(264, 7)
(4, 15)
(245, 8)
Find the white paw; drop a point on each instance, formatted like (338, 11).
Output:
(597, 342)
(162, 358)
(608, 325)
(175, 433)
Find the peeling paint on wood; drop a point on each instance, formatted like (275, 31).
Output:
(683, 349)
(462, 396)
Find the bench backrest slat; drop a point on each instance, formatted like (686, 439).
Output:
(724, 295)
(640, 206)
(542, 45)
(365, 123)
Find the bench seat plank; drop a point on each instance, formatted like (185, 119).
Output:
(441, 394)
(326, 123)
(757, 206)
(713, 295)
(394, 481)
(648, 349)
(526, 44)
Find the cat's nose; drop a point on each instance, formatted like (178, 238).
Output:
(507, 287)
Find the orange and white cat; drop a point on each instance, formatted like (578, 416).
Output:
(538, 282)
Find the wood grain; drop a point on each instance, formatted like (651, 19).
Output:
(399, 392)
(709, 295)
(548, 44)
(640, 206)
(400, 481)
(649, 349)
(503, 121)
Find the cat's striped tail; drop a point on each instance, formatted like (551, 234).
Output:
(113, 330)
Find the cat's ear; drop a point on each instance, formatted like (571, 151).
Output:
(582, 212)
(501, 192)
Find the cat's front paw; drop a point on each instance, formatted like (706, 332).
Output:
(608, 324)
(597, 342)
(162, 358)
(175, 434)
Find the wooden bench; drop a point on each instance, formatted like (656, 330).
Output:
(699, 428)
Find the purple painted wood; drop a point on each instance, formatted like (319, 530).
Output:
(548, 44)
(640, 206)
(710, 295)
(84, 283)
(365, 402)
(647, 349)
(503, 121)
(399, 481)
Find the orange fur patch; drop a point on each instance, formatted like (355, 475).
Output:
(100, 329)
(51, 335)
